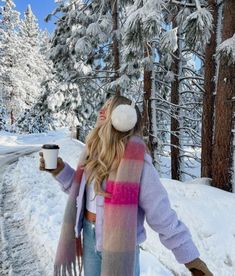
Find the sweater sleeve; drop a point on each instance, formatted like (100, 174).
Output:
(154, 200)
(65, 178)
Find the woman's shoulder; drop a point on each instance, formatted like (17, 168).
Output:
(149, 169)
(148, 159)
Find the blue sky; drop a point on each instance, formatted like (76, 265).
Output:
(40, 9)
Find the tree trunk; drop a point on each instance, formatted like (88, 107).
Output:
(12, 118)
(174, 139)
(224, 107)
(114, 6)
(147, 112)
(208, 99)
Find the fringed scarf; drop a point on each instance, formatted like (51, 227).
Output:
(120, 218)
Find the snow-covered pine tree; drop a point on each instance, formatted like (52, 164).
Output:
(29, 28)
(175, 141)
(142, 26)
(114, 4)
(34, 77)
(186, 100)
(23, 66)
(85, 53)
(151, 43)
(9, 54)
(178, 114)
(46, 113)
(32, 67)
(197, 27)
(44, 44)
(39, 118)
(3, 115)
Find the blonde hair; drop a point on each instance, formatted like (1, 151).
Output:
(105, 145)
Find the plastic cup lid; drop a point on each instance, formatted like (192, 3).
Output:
(50, 146)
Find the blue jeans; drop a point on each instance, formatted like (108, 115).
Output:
(92, 258)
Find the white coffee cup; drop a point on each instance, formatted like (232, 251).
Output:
(50, 155)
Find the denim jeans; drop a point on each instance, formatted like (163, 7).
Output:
(92, 258)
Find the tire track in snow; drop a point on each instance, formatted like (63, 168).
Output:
(17, 254)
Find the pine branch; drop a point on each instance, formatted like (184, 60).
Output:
(198, 5)
(189, 174)
(197, 53)
(191, 77)
(183, 4)
(174, 105)
(181, 149)
(165, 83)
(199, 87)
(190, 91)
(190, 130)
(191, 70)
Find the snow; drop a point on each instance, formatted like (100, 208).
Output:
(55, 101)
(15, 141)
(204, 209)
(93, 29)
(227, 49)
(198, 27)
(83, 45)
(169, 41)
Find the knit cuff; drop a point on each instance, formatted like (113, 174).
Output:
(186, 252)
(64, 176)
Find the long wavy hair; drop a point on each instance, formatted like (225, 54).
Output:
(105, 145)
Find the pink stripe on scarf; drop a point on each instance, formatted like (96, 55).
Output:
(124, 193)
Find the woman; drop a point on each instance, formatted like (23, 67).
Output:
(113, 190)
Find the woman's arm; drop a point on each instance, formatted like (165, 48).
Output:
(154, 200)
(65, 178)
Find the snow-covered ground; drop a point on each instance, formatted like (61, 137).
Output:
(207, 211)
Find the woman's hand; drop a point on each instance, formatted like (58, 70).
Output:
(198, 268)
(60, 165)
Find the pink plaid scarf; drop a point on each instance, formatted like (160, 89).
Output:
(120, 218)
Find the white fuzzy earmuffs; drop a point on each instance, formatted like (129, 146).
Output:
(124, 117)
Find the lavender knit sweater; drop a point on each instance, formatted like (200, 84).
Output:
(154, 205)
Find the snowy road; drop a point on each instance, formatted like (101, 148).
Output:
(9, 155)
(17, 256)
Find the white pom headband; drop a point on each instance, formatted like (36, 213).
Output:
(124, 117)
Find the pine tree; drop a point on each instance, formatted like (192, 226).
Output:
(208, 98)
(29, 28)
(116, 50)
(179, 90)
(32, 67)
(41, 117)
(222, 156)
(140, 28)
(32, 75)
(23, 65)
(175, 100)
(3, 115)
(9, 54)
(82, 55)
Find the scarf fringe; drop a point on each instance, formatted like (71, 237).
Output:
(67, 270)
